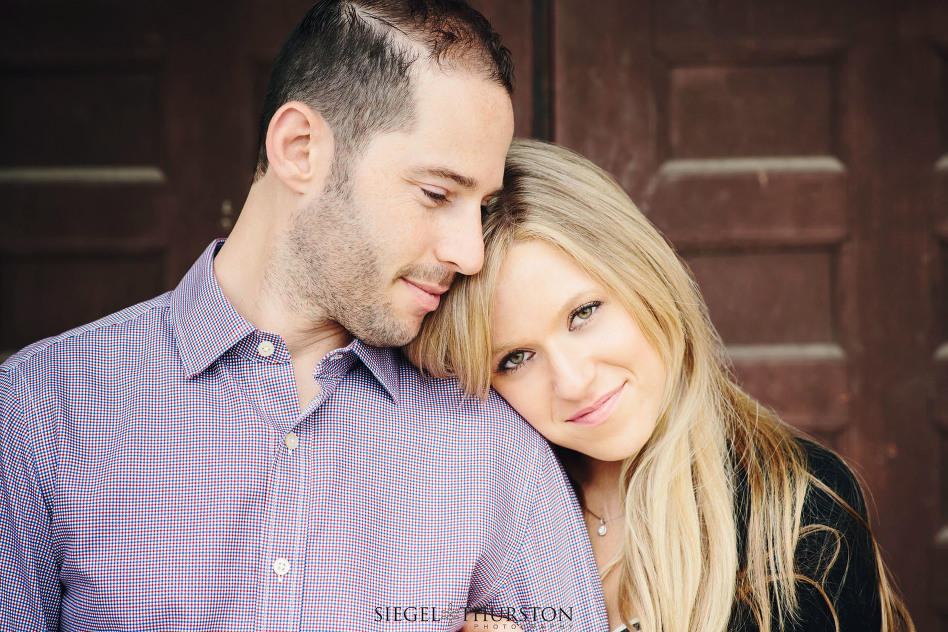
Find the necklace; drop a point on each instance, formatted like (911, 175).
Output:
(602, 530)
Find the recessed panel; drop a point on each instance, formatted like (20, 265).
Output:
(79, 117)
(690, 24)
(722, 111)
(55, 212)
(90, 27)
(811, 394)
(768, 298)
(42, 297)
(736, 201)
(603, 81)
(514, 21)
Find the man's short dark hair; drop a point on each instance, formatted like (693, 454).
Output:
(349, 60)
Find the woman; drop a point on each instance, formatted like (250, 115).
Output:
(705, 512)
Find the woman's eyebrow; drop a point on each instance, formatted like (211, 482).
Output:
(499, 349)
(565, 309)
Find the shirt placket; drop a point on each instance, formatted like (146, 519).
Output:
(283, 556)
(282, 559)
(323, 598)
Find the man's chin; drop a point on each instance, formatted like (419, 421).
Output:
(393, 334)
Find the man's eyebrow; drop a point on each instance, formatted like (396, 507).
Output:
(440, 172)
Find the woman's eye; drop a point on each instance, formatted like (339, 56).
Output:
(583, 314)
(514, 360)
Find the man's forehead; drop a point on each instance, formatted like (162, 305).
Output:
(433, 77)
(426, 69)
(463, 125)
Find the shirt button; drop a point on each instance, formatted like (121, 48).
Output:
(291, 440)
(281, 566)
(265, 348)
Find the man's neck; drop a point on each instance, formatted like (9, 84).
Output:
(241, 277)
(241, 268)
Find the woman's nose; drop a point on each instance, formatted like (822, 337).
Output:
(572, 374)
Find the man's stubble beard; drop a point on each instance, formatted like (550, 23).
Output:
(329, 269)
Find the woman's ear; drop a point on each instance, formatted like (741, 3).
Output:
(299, 147)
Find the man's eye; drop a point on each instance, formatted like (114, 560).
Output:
(435, 196)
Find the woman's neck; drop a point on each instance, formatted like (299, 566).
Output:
(601, 486)
(604, 520)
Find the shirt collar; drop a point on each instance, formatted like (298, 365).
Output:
(384, 363)
(204, 322)
(206, 326)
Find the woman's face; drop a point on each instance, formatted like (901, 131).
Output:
(570, 358)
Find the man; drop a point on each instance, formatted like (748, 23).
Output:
(247, 452)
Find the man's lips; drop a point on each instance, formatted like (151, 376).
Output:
(430, 288)
(600, 410)
(427, 295)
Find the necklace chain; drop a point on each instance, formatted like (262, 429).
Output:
(600, 518)
(602, 530)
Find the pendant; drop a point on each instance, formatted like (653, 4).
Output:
(602, 527)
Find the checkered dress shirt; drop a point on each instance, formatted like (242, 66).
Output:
(156, 473)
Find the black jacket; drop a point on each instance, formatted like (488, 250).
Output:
(851, 576)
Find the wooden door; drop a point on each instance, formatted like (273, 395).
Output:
(795, 153)
(127, 142)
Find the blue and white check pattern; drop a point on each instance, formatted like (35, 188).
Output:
(146, 484)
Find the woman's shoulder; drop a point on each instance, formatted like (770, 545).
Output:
(831, 492)
(833, 481)
(836, 546)
(834, 550)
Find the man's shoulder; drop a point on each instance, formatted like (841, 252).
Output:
(491, 419)
(121, 327)
(446, 394)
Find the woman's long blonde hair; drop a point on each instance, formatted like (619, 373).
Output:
(679, 557)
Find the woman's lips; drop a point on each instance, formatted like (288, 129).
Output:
(600, 411)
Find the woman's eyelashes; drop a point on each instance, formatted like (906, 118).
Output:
(513, 361)
(581, 315)
(577, 319)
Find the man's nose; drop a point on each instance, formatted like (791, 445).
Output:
(461, 244)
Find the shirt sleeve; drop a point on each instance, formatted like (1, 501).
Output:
(836, 549)
(552, 581)
(30, 594)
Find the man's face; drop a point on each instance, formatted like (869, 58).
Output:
(394, 225)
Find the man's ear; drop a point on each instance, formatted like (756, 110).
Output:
(299, 147)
